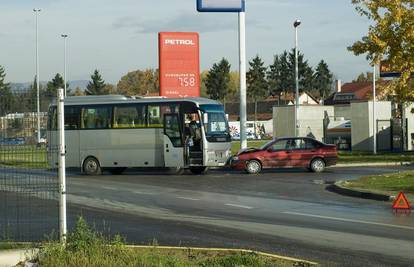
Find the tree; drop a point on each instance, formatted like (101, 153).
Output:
(139, 82)
(78, 92)
(218, 80)
(6, 95)
(305, 74)
(256, 82)
(322, 81)
(96, 86)
(390, 38)
(364, 77)
(56, 83)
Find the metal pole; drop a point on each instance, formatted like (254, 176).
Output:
(242, 66)
(37, 75)
(374, 120)
(62, 167)
(64, 62)
(296, 84)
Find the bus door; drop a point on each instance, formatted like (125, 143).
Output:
(173, 141)
(193, 138)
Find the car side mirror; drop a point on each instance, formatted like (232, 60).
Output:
(269, 149)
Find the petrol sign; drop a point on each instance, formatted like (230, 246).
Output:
(221, 5)
(179, 63)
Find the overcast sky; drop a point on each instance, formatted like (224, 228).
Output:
(120, 36)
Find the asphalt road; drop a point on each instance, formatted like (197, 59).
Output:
(288, 212)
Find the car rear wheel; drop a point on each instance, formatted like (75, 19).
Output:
(253, 166)
(91, 166)
(317, 165)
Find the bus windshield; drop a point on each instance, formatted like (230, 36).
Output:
(215, 123)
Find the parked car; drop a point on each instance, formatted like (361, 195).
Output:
(235, 137)
(290, 152)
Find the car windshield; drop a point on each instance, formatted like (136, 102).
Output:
(266, 145)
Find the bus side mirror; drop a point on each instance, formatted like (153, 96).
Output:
(205, 118)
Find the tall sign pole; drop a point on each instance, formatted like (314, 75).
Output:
(242, 70)
(238, 6)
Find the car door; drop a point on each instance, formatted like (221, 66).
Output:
(293, 152)
(276, 155)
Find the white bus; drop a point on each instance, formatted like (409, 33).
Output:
(116, 132)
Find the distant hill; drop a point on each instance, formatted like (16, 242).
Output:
(72, 85)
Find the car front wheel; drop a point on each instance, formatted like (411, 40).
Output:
(253, 167)
(317, 165)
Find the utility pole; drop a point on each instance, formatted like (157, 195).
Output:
(296, 25)
(37, 11)
(242, 66)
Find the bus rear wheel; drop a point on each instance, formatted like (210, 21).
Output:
(91, 166)
(198, 170)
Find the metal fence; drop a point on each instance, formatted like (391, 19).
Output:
(28, 187)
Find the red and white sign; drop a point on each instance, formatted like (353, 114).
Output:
(179, 63)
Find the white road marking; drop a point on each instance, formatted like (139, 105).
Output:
(141, 193)
(189, 198)
(239, 206)
(349, 220)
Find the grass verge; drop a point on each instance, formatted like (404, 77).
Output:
(87, 248)
(390, 184)
(23, 156)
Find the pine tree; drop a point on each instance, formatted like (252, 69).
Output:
(322, 80)
(218, 80)
(56, 83)
(305, 72)
(275, 77)
(96, 86)
(257, 86)
(6, 95)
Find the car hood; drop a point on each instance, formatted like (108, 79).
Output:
(247, 150)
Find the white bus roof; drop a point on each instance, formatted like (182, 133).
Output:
(111, 99)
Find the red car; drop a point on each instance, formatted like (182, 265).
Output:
(286, 152)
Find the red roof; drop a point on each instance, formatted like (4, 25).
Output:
(361, 90)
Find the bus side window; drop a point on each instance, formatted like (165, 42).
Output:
(72, 116)
(154, 119)
(96, 117)
(129, 116)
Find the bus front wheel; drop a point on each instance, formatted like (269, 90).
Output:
(91, 166)
(198, 170)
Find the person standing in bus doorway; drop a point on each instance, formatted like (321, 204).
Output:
(194, 138)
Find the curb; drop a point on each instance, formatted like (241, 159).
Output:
(269, 255)
(339, 189)
(373, 164)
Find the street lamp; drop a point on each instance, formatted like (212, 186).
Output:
(64, 36)
(37, 11)
(296, 25)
